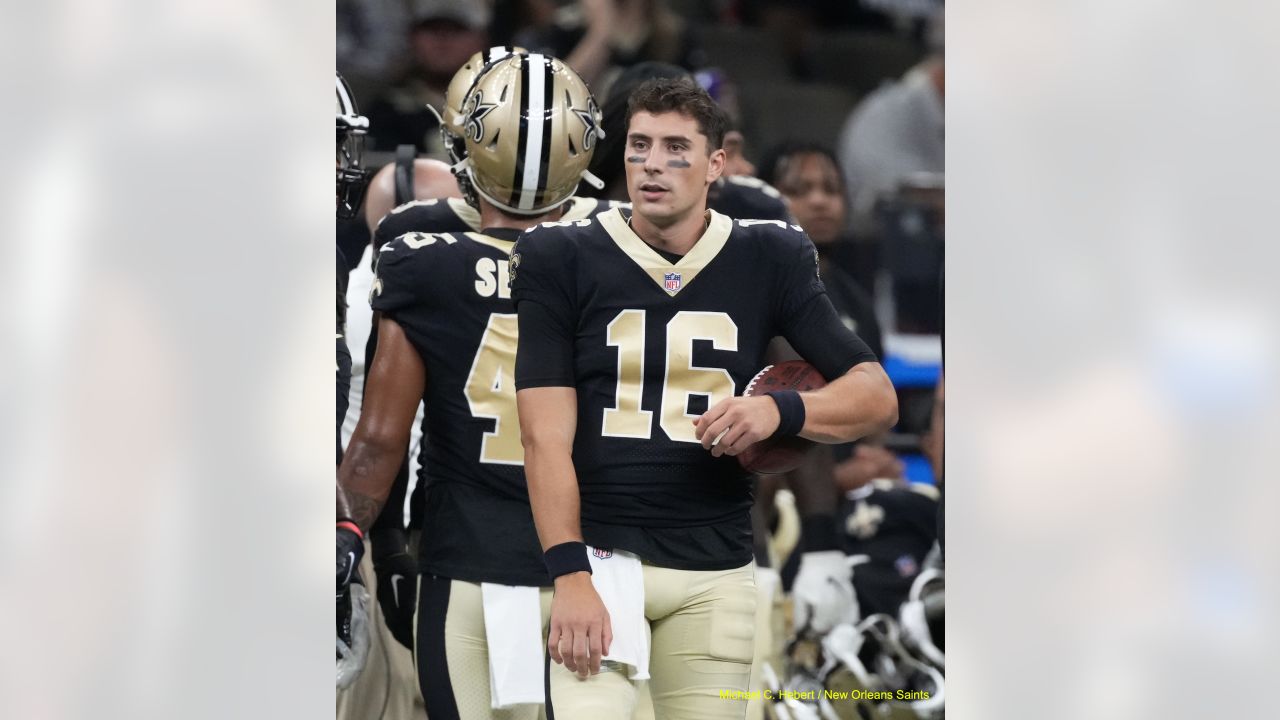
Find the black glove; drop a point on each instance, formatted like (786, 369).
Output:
(346, 613)
(350, 550)
(397, 573)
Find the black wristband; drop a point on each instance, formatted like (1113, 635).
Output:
(566, 558)
(790, 412)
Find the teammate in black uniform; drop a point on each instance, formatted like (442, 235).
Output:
(433, 215)
(638, 331)
(447, 335)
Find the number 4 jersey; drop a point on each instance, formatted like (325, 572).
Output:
(651, 341)
(449, 293)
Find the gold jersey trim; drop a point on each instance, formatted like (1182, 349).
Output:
(657, 267)
(576, 208)
(465, 212)
(493, 242)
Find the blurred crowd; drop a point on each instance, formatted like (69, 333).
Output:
(837, 111)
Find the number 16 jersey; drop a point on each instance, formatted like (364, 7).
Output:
(651, 341)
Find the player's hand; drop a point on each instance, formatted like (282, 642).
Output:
(350, 550)
(346, 608)
(397, 574)
(735, 424)
(580, 630)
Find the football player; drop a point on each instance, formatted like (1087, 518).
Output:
(441, 205)
(447, 336)
(638, 331)
(462, 214)
(394, 567)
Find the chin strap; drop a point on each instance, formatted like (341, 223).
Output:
(592, 180)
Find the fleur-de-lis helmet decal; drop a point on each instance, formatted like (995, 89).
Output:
(477, 108)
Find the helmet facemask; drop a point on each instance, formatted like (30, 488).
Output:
(352, 178)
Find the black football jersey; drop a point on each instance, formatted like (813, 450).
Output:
(895, 526)
(650, 344)
(449, 292)
(455, 215)
(740, 196)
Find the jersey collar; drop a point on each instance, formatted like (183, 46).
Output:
(670, 277)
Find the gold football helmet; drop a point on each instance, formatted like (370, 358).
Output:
(455, 97)
(530, 126)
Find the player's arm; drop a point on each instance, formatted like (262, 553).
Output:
(548, 421)
(579, 632)
(857, 404)
(394, 388)
(858, 400)
(395, 383)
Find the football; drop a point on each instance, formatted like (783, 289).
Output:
(780, 455)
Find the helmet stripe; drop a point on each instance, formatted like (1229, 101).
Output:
(544, 162)
(344, 98)
(535, 110)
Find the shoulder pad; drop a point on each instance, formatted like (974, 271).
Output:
(788, 228)
(413, 204)
(756, 184)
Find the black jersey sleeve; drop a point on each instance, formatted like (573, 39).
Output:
(816, 333)
(399, 221)
(806, 317)
(428, 216)
(393, 287)
(542, 278)
(749, 197)
(797, 262)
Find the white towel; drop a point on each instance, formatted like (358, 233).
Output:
(513, 627)
(619, 580)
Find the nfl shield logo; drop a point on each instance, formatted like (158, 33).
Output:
(602, 553)
(671, 281)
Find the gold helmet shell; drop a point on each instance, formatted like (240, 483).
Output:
(530, 128)
(455, 97)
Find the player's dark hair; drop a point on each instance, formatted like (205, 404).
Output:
(773, 164)
(686, 97)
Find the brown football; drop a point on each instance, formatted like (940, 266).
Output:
(781, 454)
